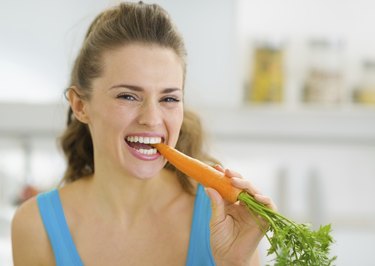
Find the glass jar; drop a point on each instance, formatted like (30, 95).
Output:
(267, 78)
(324, 80)
(365, 92)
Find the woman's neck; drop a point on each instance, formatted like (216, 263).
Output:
(129, 199)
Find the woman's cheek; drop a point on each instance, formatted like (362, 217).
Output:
(177, 128)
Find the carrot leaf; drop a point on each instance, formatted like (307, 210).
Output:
(290, 242)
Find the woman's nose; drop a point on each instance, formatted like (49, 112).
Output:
(150, 114)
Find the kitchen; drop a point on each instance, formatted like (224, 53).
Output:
(310, 149)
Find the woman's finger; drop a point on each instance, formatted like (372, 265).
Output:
(245, 184)
(217, 205)
(238, 181)
(266, 201)
(231, 173)
(219, 168)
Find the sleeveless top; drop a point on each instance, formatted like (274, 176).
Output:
(64, 249)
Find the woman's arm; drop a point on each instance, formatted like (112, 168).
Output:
(235, 232)
(30, 244)
(255, 260)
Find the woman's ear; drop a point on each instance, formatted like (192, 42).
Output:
(78, 104)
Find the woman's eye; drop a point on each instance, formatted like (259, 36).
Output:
(170, 99)
(127, 97)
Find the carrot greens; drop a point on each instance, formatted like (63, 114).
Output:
(292, 243)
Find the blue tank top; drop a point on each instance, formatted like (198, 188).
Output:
(66, 254)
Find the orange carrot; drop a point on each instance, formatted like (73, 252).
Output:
(199, 171)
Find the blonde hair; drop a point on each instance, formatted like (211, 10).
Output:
(115, 27)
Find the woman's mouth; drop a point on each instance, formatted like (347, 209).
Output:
(141, 145)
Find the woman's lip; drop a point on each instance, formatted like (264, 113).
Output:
(141, 156)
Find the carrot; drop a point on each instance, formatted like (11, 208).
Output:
(292, 243)
(201, 172)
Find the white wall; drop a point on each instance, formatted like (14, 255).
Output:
(40, 39)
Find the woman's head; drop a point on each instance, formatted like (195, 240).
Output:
(137, 98)
(111, 36)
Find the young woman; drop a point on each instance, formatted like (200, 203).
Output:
(120, 202)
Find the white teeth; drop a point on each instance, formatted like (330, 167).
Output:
(145, 140)
(148, 151)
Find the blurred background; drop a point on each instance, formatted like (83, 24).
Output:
(286, 91)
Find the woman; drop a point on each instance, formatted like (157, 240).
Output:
(120, 203)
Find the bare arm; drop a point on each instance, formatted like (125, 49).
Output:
(30, 243)
(255, 260)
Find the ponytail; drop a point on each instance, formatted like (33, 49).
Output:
(77, 146)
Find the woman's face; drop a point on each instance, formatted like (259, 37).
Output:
(137, 100)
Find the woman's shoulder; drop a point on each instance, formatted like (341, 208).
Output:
(30, 242)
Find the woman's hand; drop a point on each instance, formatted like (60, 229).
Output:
(235, 234)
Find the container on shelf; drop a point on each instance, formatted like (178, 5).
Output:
(267, 77)
(365, 92)
(325, 78)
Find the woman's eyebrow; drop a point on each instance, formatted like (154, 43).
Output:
(130, 87)
(170, 90)
(140, 89)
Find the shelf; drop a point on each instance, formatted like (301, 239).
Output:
(23, 120)
(275, 123)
